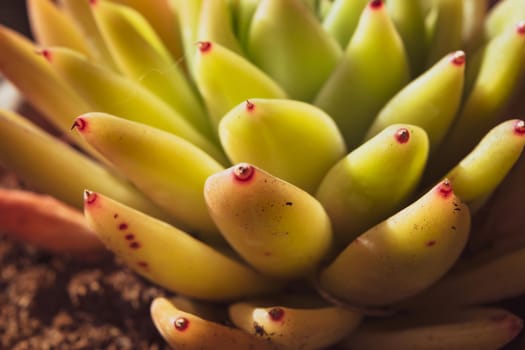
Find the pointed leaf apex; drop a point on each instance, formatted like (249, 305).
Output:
(402, 135)
(243, 172)
(46, 53)
(458, 58)
(445, 188)
(520, 27)
(376, 4)
(90, 197)
(519, 127)
(250, 106)
(79, 124)
(204, 46)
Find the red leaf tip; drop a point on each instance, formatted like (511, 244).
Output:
(250, 106)
(90, 197)
(80, 124)
(204, 46)
(445, 188)
(376, 4)
(519, 127)
(402, 135)
(46, 53)
(243, 172)
(520, 28)
(458, 58)
(181, 323)
(276, 314)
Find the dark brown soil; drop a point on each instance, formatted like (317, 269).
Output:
(50, 302)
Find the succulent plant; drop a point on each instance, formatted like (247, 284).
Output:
(312, 167)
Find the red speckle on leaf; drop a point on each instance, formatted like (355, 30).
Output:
(129, 236)
(376, 4)
(115, 216)
(515, 325)
(249, 106)
(204, 46)
(402, 135)
(458, 58)
(143, 264)
(520, 28)
(243, 172)
(181, 324)
(122, 226)
(134, 245)
(519, 127)
(445, 188)
(93, 2)
(90, 197)
(46, 54)
(430, 243)
(276, 314)
(499, 318)
(80, 124)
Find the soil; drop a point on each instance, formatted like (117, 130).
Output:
(52, 302)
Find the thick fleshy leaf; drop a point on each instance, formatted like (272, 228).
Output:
(263, 219)
(287, 42)
(112, 93)
(342, 18)
(482, 170)
(402, 255)
(501, 71)
(468, 329)
(360, 86)
(185, 331)
(356, 193)
(44, 222)
(275, 135)
(307, 326)
(52, 166)
(169, 256)
(226, 79)
(142, 56)
(168, 169)
(430, 101)
(52, 27)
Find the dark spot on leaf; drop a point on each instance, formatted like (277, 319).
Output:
(430, 243)
(259, 330)
(123, 226)
(276, 314)
(134, 245)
